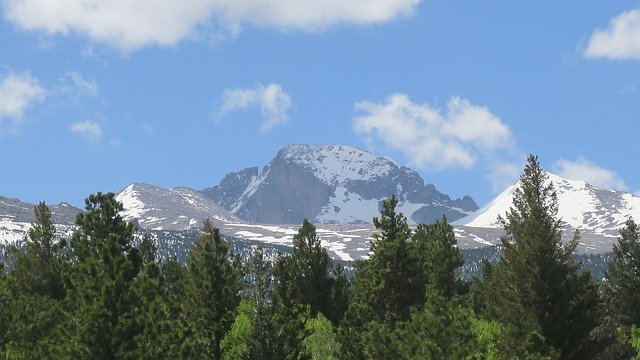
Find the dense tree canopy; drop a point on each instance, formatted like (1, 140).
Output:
(103, 293)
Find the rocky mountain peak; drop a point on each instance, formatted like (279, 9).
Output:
(331, 184)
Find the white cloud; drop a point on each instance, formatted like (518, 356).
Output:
(429, 137)
(272, 101)
(584, 170)
(90, 131)
(78, 86)
(17, 93)
(131, 24)
(620, 40)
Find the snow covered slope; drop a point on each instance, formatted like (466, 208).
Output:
(331, 184)
(153, 207)
(580, 205)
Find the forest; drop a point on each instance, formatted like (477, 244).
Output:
(94, 295)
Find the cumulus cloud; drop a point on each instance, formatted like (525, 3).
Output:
(90, 131)
(17, 93)
(620, 40)
(430, 137)
(458, 136)
(584, 170)
(272, 101)
(131, 24)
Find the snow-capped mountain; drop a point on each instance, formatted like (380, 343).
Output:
(328, 184)
(16, 217)
(580, 206)
(180, 208)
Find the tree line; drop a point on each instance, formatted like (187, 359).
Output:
(96, 296)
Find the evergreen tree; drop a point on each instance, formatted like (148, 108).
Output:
(388, 284)
(104, 265)
(262, 307)
(536, 290)
(440, 326)
(623, 277)
(36, 290)
(620, 295)
(212, 294)
(304, 287)
(437, 252)
(158, 314)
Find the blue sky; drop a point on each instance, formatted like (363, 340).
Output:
(93, 98)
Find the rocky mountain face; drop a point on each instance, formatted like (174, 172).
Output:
(20, 211)
(155, 208)
(331, 184)
(17, 216)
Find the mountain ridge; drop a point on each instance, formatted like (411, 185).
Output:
(331, 184)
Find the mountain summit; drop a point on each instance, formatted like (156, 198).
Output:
(331, 184)
(581, 206)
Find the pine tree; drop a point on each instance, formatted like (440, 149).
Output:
(212, 294)
(262, 306)
(387, 285)
(436, 250)
(440, 326)
(104, 267)
(623, 277)
(36, 291)
(620, 295)
(536, 290)
(158, 313)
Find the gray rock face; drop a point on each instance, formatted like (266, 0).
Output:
(19, 211)
(231, 187)
(331, 184)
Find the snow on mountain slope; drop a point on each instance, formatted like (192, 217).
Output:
(331, 184)
(338, 164)
(580, 205)
(156, 208)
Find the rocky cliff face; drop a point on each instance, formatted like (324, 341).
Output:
(331, 184)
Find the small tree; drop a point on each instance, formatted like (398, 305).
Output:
(320, 343)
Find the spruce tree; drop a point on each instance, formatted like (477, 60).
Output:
(537, 291)
(387, 285)
(622, 285)
(212, 294)
(37, 291)
(260, 295)
(621, 300)
(306, 284)
(104, 265)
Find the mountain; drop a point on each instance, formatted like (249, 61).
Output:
(179, 208)
(598, 213)
(16, 217)
(331, 184)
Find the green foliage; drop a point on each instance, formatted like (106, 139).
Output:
(440, 258)
(262, 305)
(236, 344)
(623, 277)
(537, 293)
(212, 294)
(103, 267)
(33, 293)
(320, 342)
